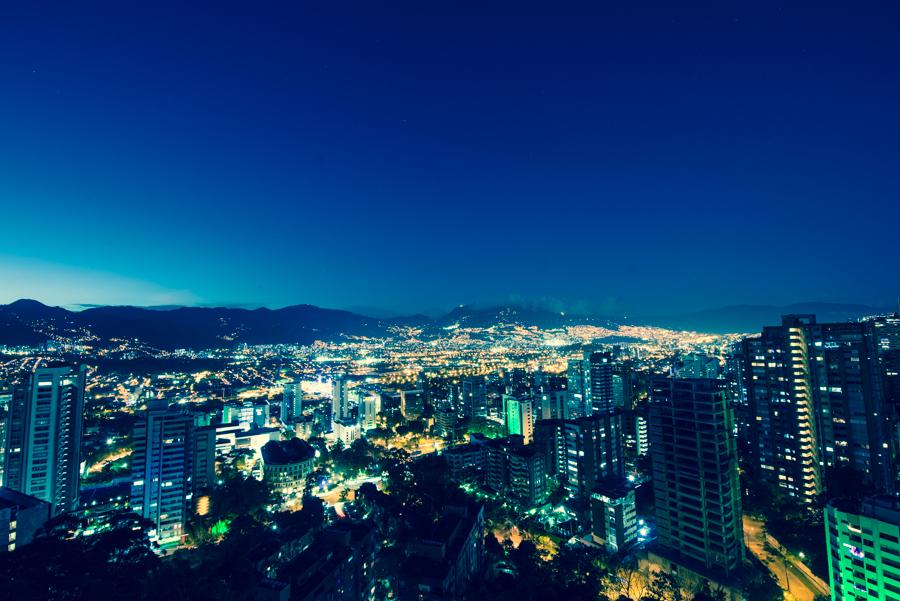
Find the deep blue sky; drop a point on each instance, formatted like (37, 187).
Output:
(639, 164)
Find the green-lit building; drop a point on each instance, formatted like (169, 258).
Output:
(518, 417)
(864, 549)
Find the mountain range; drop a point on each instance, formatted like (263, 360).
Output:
(29, 322)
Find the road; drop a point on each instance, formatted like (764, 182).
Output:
(332, 496)
(96, 468)
(792, 574)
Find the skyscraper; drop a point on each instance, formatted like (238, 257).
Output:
(163, 463)
(863, 547)
(695, 475)
(602, 395)
(550, 404)
(44, 439)
(370, 407)
(578, 387)
(593, 447)
(340, 403)
(784, 440)
(4, 429)
(412, 403)
(884, 333)
(550, 438)
(623, 385)
(291, 402)
(816, 398)
(471, 397)
(527, 475)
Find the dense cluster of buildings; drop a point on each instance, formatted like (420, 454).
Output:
(788, 406)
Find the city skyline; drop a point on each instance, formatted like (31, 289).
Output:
(423, 302)
(279, 158)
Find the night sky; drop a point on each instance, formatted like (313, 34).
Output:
(414, 163)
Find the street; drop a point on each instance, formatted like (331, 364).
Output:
(792, 574)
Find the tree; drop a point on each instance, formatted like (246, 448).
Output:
(763, 587)
(842, 481)
(57, 566)
(664, 587)
(628, 578)
(705, 593)
(240, 496)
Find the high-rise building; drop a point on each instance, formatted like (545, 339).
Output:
(550, 439)
(291, 402)
(519, 417)
(642, 434)
(816, 399)
(601, 372)
(204, 463)
(369, 408)
(695, 475)
(578, 387)
(412, 403)
(614, 521)
(593, 452)
(884, 333)
(698, 365)
(864, 549)
(622, 386)
(783, 437)
(469, 397)
(527, 476)
(43, 449)
(340, 399)
(166, 448)
(551, 404)
(496, 459)
(446, 420)
(4, 430)
(581, 453)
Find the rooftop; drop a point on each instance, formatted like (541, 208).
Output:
(14, 498)
(288, 451)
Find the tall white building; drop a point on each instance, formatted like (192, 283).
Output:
(43, 452)
(370, 407)
(346, 432)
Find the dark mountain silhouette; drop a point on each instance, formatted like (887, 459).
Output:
(29, 322)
